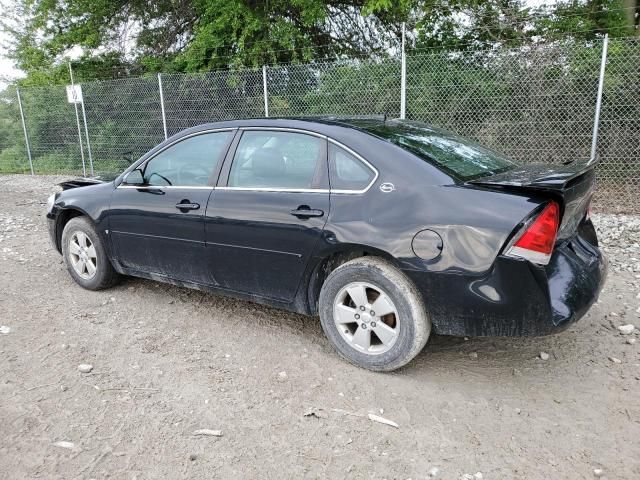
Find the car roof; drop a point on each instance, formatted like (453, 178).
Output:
(327, 125)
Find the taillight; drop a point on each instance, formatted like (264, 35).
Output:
(536, 241)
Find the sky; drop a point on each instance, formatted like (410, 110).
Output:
(7, 70)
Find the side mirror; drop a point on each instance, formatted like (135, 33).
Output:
(134, 178)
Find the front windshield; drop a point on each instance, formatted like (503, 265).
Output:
(457, 156)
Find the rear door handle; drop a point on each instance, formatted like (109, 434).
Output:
(187, 206)
(303, 211)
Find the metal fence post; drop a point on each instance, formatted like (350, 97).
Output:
(403, 79)
(24, 129)
(164, 117)
(596, 120)
(86, 134)
(265, 92)
(75, 106)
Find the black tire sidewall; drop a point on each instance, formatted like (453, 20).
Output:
(399, 289)
(104, 270)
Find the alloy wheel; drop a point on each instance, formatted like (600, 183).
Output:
(366, 318)
(83, 256)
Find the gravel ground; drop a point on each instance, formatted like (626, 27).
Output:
(273, 399)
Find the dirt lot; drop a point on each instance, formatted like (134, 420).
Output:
(168, 361)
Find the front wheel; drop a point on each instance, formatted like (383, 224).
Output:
(373, 314)
(85, 256)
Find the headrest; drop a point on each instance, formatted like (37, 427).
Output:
(268, 163)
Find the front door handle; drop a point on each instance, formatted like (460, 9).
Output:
(304, 211)
(185, 205)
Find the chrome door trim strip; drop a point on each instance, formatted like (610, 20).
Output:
(160, 187)
(298, 255)
(146, 235)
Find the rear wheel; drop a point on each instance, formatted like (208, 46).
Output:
(373, 314)
(85, 256)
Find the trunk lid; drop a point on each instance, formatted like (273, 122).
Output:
(571, 185)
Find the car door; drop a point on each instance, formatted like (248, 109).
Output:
(267, 213)
(156, 214)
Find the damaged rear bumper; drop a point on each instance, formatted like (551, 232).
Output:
(516, 297)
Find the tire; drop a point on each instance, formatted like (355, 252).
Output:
(102, 275)
(379, 280)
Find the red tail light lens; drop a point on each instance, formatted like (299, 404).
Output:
(537, 241)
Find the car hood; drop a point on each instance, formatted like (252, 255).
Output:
(86, 181)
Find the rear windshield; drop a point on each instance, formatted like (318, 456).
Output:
(456, 156)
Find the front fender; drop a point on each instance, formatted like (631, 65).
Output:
(89, 201)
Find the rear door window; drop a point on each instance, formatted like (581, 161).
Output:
(279, 160)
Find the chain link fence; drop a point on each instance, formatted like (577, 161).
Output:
(619, 135)
(536, 104)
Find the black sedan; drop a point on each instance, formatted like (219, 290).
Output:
(387, 229)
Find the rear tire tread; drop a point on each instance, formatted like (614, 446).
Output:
(403, 292)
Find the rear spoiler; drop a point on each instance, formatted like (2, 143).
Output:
(539, 176)
(571, 184)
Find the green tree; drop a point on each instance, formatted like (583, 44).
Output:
(121, 37)
(476, 24)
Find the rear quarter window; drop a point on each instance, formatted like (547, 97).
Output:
(347, 172)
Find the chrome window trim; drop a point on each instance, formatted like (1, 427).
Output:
(177, 140)
(308, 190)
(263, 189)
(277, 189)
(286, 129)
(358, 157)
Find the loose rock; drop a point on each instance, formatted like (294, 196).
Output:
(626, 329)
(208, 433)
(4, 329)
(433, 472)
(544, 355)
(597, 472)
(615, 360)
(475, 476)
(315, 412)
(631, 341)
(64, 444)
(85, 368)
